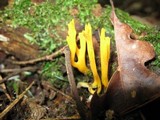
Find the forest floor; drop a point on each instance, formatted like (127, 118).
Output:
(33, 75)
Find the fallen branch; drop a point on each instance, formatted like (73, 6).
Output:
(17, 72)
(18, 69)
(44, 58)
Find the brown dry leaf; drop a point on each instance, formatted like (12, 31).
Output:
(132, 85)
(37, 111)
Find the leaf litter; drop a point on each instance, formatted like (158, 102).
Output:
(122, 88)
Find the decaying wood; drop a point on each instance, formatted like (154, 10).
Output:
(3, 4)
(14, 43)
(40, 59)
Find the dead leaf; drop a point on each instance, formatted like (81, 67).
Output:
(132, 85)
(37, 111)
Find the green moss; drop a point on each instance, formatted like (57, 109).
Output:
(53, 71)
(154, 38)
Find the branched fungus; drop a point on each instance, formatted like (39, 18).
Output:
(86, 41)
(80, 63)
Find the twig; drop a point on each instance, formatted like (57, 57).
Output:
(80, 106)
(68, 118)
(55, 89)
(8, 108)
(4, 89)
(142, 116)
(7, 77)
(44, 58)
(17, 72)
(18, 69)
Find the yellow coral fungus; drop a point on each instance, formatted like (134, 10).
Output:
(86, 39)
(104, 56)
(91, 55)
(80, 63)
